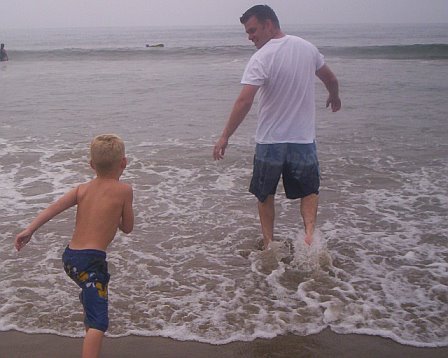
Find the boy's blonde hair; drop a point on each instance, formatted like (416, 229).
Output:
(106, 152)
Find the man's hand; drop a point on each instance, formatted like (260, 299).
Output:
(220, 148)
(334, 103)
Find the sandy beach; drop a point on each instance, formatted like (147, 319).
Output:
(325, 344)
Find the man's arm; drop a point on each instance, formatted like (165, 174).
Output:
(63, 203)
(331, 83)
(127, 217)
(240, 109)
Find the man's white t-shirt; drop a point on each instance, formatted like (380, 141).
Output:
(285, 69)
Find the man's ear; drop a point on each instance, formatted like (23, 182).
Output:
(269, 25)
(92, 165)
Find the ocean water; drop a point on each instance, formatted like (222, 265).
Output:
(191, 270)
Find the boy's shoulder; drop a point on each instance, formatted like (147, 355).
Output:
(96, 184)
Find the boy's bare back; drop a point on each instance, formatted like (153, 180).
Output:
(104, 205)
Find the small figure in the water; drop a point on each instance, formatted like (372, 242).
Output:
(156, 45)
(3, 54)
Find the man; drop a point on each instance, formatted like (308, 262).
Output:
(3, 54)
(284, 69)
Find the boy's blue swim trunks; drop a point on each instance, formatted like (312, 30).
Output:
(88, 268)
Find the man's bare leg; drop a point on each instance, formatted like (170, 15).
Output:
(266, 210)
(308, 209)
(92, 343)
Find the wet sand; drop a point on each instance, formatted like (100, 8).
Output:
(325, 344)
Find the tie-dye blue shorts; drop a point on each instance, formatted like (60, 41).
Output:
(297, 164)
(88, 268)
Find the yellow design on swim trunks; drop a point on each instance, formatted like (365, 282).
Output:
(83, 276)
(102, 289)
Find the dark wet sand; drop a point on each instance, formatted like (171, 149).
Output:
(325, 344)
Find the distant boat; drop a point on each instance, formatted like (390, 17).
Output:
(155, 45)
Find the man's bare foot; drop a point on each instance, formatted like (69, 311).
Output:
(309, 239)
(266, 244)
(261, 244)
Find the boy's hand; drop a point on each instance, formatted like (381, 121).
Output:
(22, 239)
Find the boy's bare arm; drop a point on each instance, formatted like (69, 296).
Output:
(127, 218)
(63, 203)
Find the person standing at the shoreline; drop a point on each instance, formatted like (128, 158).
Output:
(284, 69)
(3, 54)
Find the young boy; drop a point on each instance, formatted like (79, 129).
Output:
(104, 205)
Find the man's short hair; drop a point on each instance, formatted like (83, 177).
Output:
(106, 151)
(262, 13)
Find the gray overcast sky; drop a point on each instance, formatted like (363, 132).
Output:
(80, 13)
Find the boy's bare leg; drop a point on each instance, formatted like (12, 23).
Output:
(92, 343)
(266, 210)
(308, 209)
